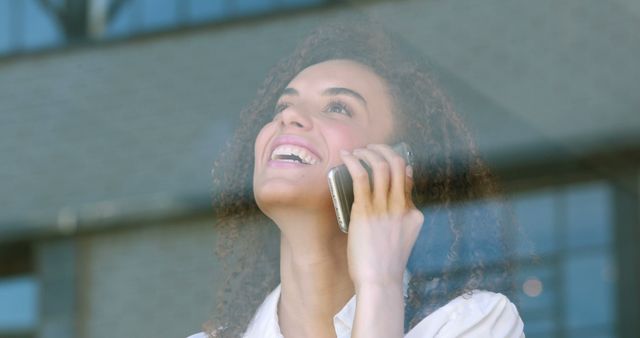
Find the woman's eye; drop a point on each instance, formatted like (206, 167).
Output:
(339, 108)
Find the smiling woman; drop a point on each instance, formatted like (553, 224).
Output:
(323, 110)
(341, 98)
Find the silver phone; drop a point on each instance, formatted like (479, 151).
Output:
(341, 185)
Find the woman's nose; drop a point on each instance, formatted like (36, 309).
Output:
(294, 116)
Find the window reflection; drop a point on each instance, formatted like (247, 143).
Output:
(28, 25)
(18, 305)
(568, 291)
(571, 230)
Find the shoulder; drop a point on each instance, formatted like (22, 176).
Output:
(264, 322)
(482, 303)
(475, 314)
(198, 335)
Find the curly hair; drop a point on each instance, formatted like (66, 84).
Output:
(447, 170)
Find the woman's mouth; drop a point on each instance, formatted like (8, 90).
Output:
(293, 154)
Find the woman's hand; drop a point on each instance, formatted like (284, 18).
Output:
(383, 229)
(384, 221)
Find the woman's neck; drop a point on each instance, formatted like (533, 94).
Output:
(314, 276)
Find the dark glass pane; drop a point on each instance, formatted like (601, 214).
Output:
(5, 26)
(592, 332)
(589, 289)
(299, 3)
(248, 7)
(40, 27)
(158, 14)
(539, 329)
(535, 213)
(431, 248)
(481, 220)
(204, 10)
(18, 304)
(125, 22)
(589, 215)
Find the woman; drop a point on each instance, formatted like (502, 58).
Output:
(344, 96)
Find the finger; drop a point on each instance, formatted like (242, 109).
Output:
(397, 165)
(408, 185)
(360, 177)
(381, 175)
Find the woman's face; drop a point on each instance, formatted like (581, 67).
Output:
(327, 107)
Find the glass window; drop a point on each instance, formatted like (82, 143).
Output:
(18, 304)
(40, 27)
(5, 25)
(571, 231)
(159, 14)
(589, 215)
(125, 22)
(28, 25)
(246, 7)
(589, 289)
(204, 10)
(535, 214)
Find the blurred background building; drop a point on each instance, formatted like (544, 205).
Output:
(112, 112)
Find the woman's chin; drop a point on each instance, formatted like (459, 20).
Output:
(279, 195)
(270, 195)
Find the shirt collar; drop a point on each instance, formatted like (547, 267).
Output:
(265, 322)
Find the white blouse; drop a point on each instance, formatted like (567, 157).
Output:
(478, 315)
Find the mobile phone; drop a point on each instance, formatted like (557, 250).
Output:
(341, 185)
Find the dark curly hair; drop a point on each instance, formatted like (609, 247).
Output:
(447, 171)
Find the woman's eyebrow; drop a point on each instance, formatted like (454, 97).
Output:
(333, 91)
(289, 91)
(345, 91)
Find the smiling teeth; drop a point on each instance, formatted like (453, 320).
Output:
(288, 150)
